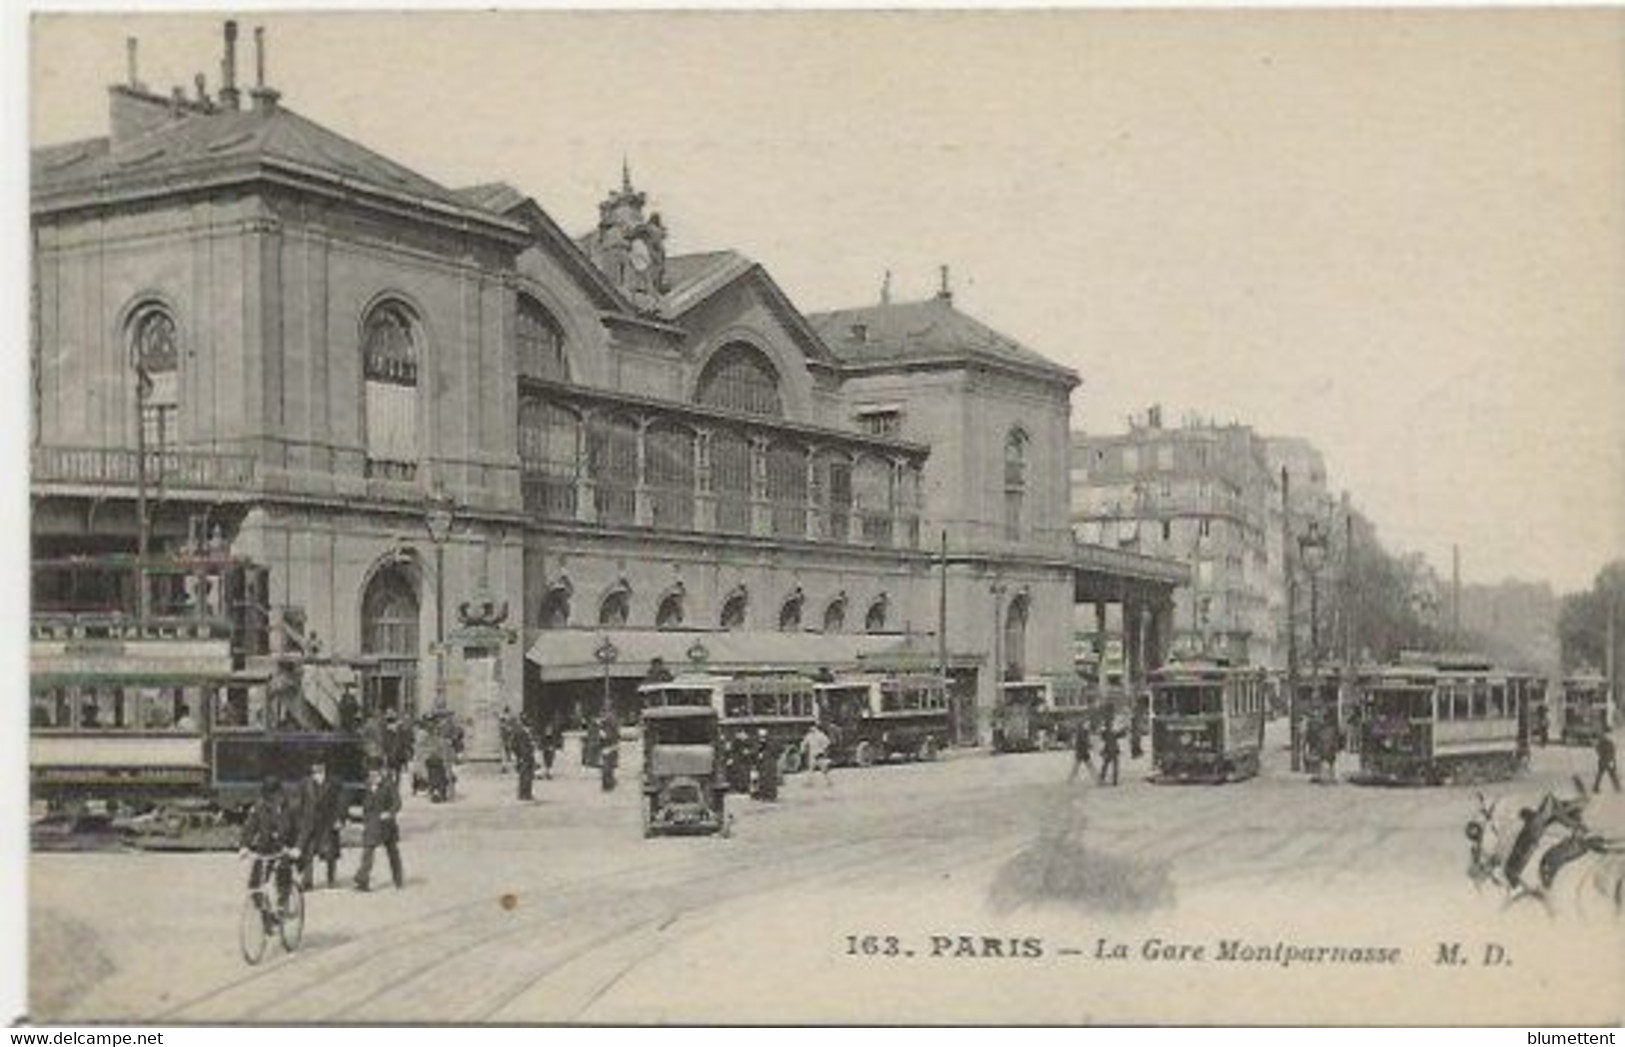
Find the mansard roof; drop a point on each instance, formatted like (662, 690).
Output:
(902, 334)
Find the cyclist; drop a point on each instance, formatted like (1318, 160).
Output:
(268, 832)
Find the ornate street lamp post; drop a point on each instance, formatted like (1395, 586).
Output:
(1312, 547)
(607, 654)
(438, 520)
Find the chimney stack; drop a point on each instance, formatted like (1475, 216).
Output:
(264, 97)
(885, 289)
(129, 60)
(201, 83)
(945, 292)
(229, 97)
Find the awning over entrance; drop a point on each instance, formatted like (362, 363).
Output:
(570, 654)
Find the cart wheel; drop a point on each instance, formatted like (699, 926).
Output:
(251, 936)
(291, 929)
(864, 754)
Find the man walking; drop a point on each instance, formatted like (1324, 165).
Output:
(524, 757)
(378, 829)
(321, 808)
(1605, 762)
(815, 751)
(1081, 756)
(552, 742)
(1109, 751)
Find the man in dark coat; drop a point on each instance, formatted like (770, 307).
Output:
(1606, 762)
(552, 741)
(349, 710)
(524, 757)
(1109, 751)
(1081, 757)
(767, 768)
(397, 746)
(609, 757)
(321, 809)
(379, 807)
(267, 831)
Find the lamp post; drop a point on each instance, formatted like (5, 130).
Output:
(438, 520)
(1312, 554)
(607, 653)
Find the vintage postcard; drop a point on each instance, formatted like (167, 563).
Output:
(957, 517)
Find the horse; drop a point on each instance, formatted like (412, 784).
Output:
(1545, 854)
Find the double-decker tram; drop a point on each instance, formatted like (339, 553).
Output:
(1586, 712)
(873, 717)
(1207, 721)
(1445, 723)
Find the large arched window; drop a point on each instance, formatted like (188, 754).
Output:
(390, 360)
(549, 449)
(835, 615)
(875, 620)
(872, 491)
(790, 612)
(540, 343)
(1015, 638)
(739, 377)
(731, 480)
(734, 609)
(669, 468)
(389, 633)
(555, 610)
(156, 356)
(616, 610)
(612, 459)
(787, 489)
(1015, 482)
(670, 613)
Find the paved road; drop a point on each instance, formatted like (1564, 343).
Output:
(560, 911)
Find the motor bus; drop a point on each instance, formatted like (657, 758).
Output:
(782, 705)
(1432, 725)
(1040, 713)
(1207, 721)
(872, 717)
(684, 787)
(1586, 712)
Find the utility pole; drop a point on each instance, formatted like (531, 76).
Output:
(1455, 596)
(1291, 621)
(942, 617)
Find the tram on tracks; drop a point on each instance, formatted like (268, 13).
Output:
(783, 705)
(1207, 721)
(1040, 713)
(1446, 723)
(1586, 712)
(873, 717)
(162, 713)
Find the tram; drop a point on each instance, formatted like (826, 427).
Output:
(783, 705)
(1586, 712)
(167, 707)
(879, 716)
(1444, 723)
(1207, 721)
(1039, 713)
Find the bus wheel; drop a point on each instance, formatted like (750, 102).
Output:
(928, 748)
(864, 754)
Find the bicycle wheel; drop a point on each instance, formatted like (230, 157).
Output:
(291, 928)
(251, 933)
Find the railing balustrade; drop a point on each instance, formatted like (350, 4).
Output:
(119, 466)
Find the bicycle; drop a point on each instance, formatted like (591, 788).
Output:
(263, 917)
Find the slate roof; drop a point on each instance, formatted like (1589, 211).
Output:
(917, 332)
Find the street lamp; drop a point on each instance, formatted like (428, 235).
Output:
(438, 519)
(1312, 554)
(607, 653)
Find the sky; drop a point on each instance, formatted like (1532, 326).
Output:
(1400, 235)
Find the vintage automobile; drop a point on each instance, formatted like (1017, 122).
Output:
(684, 788)
(873, 717)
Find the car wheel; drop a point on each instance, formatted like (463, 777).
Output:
(864, 754)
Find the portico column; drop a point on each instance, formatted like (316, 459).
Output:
(1134, 673)
(1100, 645)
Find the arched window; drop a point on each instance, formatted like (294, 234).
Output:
(832, 494)
(389, 353)
(1015, 482)
(835, 615)
(389, 632)
(1015, 638)
(787, 489)
(616, 609)
(154, 352)
(731, 481)
(739, 377)
(734, 608)
(612, 460)
(540, 343)
(875, 620)
(872, 491)
(670, 613)
(790, 612)
(555, 609)
(669, 468)
(549, 452)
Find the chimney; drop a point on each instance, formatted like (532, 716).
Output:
(885, 289)
(129, 61)
(265, 98)
(201, 82)
(229, 98)
(945, 292)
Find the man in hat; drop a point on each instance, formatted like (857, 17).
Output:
(767, 768)
(609, 756)
(267, 831)
(1606, 765)
(1110, 735)
(524, 757)
(379, 807)
(321, 809)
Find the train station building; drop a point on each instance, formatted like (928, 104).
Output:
(433, 413)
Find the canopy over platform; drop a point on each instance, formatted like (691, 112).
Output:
(571, 654)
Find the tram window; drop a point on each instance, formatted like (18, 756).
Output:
(735, 706)
(51, 709)
(1498, 701)
(1481, 702)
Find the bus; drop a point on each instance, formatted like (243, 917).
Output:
(1207, 721)
(782, 705)
(1445, 723)
(873, 717)
(1040, 713)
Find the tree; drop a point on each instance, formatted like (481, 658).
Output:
(1582, 623)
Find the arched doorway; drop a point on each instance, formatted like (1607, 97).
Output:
(1015, 639)
(389, 633)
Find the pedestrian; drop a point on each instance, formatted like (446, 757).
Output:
(609, 756)
(1136, 733)
(268, 829)
(349, 710)
(1330, 742)
(551, 742)
(1109, 751)
(379, 807)
(591, 743)
(815, 753)
(505, 725)
(321, 809)
(437, 764)
(397, 746)
(766, 775)
(657, 673)
(1081, 744)
(1605, 762)
(524, 758)
(1542, 726)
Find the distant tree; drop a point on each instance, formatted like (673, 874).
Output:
(1582, 622)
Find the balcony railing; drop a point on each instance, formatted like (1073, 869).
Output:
(118, 467)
